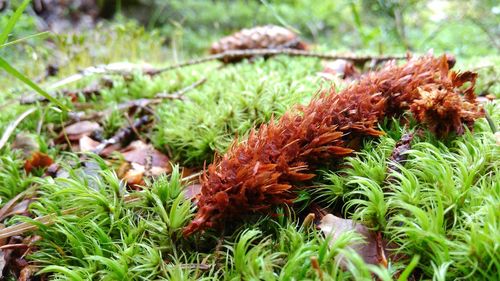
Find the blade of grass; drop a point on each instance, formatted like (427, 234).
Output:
(12, 21)
(12, 71)
(24, 38)
(12, 126)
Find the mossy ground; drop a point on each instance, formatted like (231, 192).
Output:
(442, 209)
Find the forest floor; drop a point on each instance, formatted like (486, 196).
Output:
(103, 190)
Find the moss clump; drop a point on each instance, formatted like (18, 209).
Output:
(233, 100)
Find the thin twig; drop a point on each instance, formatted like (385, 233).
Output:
(12, 126)
(121, 68)
(122, 134)
(268, 52)
(134, 128)
(200, 266)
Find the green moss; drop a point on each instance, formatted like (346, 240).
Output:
(232, 101)
(440, 210)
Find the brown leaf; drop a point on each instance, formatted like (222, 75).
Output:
(134, 177)
(368, 249)
(138, 152)
(38, 160)
(78, 130)
(27, 143)
(87, 144)
(13, 206)
(26, 273)
(20, 208)
(14, 253)
(186, 172)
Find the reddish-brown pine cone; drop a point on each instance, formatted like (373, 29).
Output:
(260, 37)
(263, 171)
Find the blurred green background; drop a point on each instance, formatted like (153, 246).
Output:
(89, 32)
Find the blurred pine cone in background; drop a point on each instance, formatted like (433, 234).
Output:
(260, 37)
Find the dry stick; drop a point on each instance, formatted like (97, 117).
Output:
(47, 220)
(267, 52)
(133, 127)
(12, 126)
(122, 134)
(129, 68)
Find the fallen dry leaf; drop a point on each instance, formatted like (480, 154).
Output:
(87, 144)
(27, 143)
(186, 172)
(368, 249)
(138, 152)
(491, 97)
(144, 161)
(134, 178)
(14, 253)
(26, 273)
(17, 205)
(20, 208)
(38, 160)
(76, 131)
(497, 137)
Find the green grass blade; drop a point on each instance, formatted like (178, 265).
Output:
(24, 38)
(12, 21)
(12, 71)
(70, 274)
(409, 269)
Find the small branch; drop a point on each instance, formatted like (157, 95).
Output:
(12, 126)
(122, 134)
(133, 127)
(122, 68)
(268, 52)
